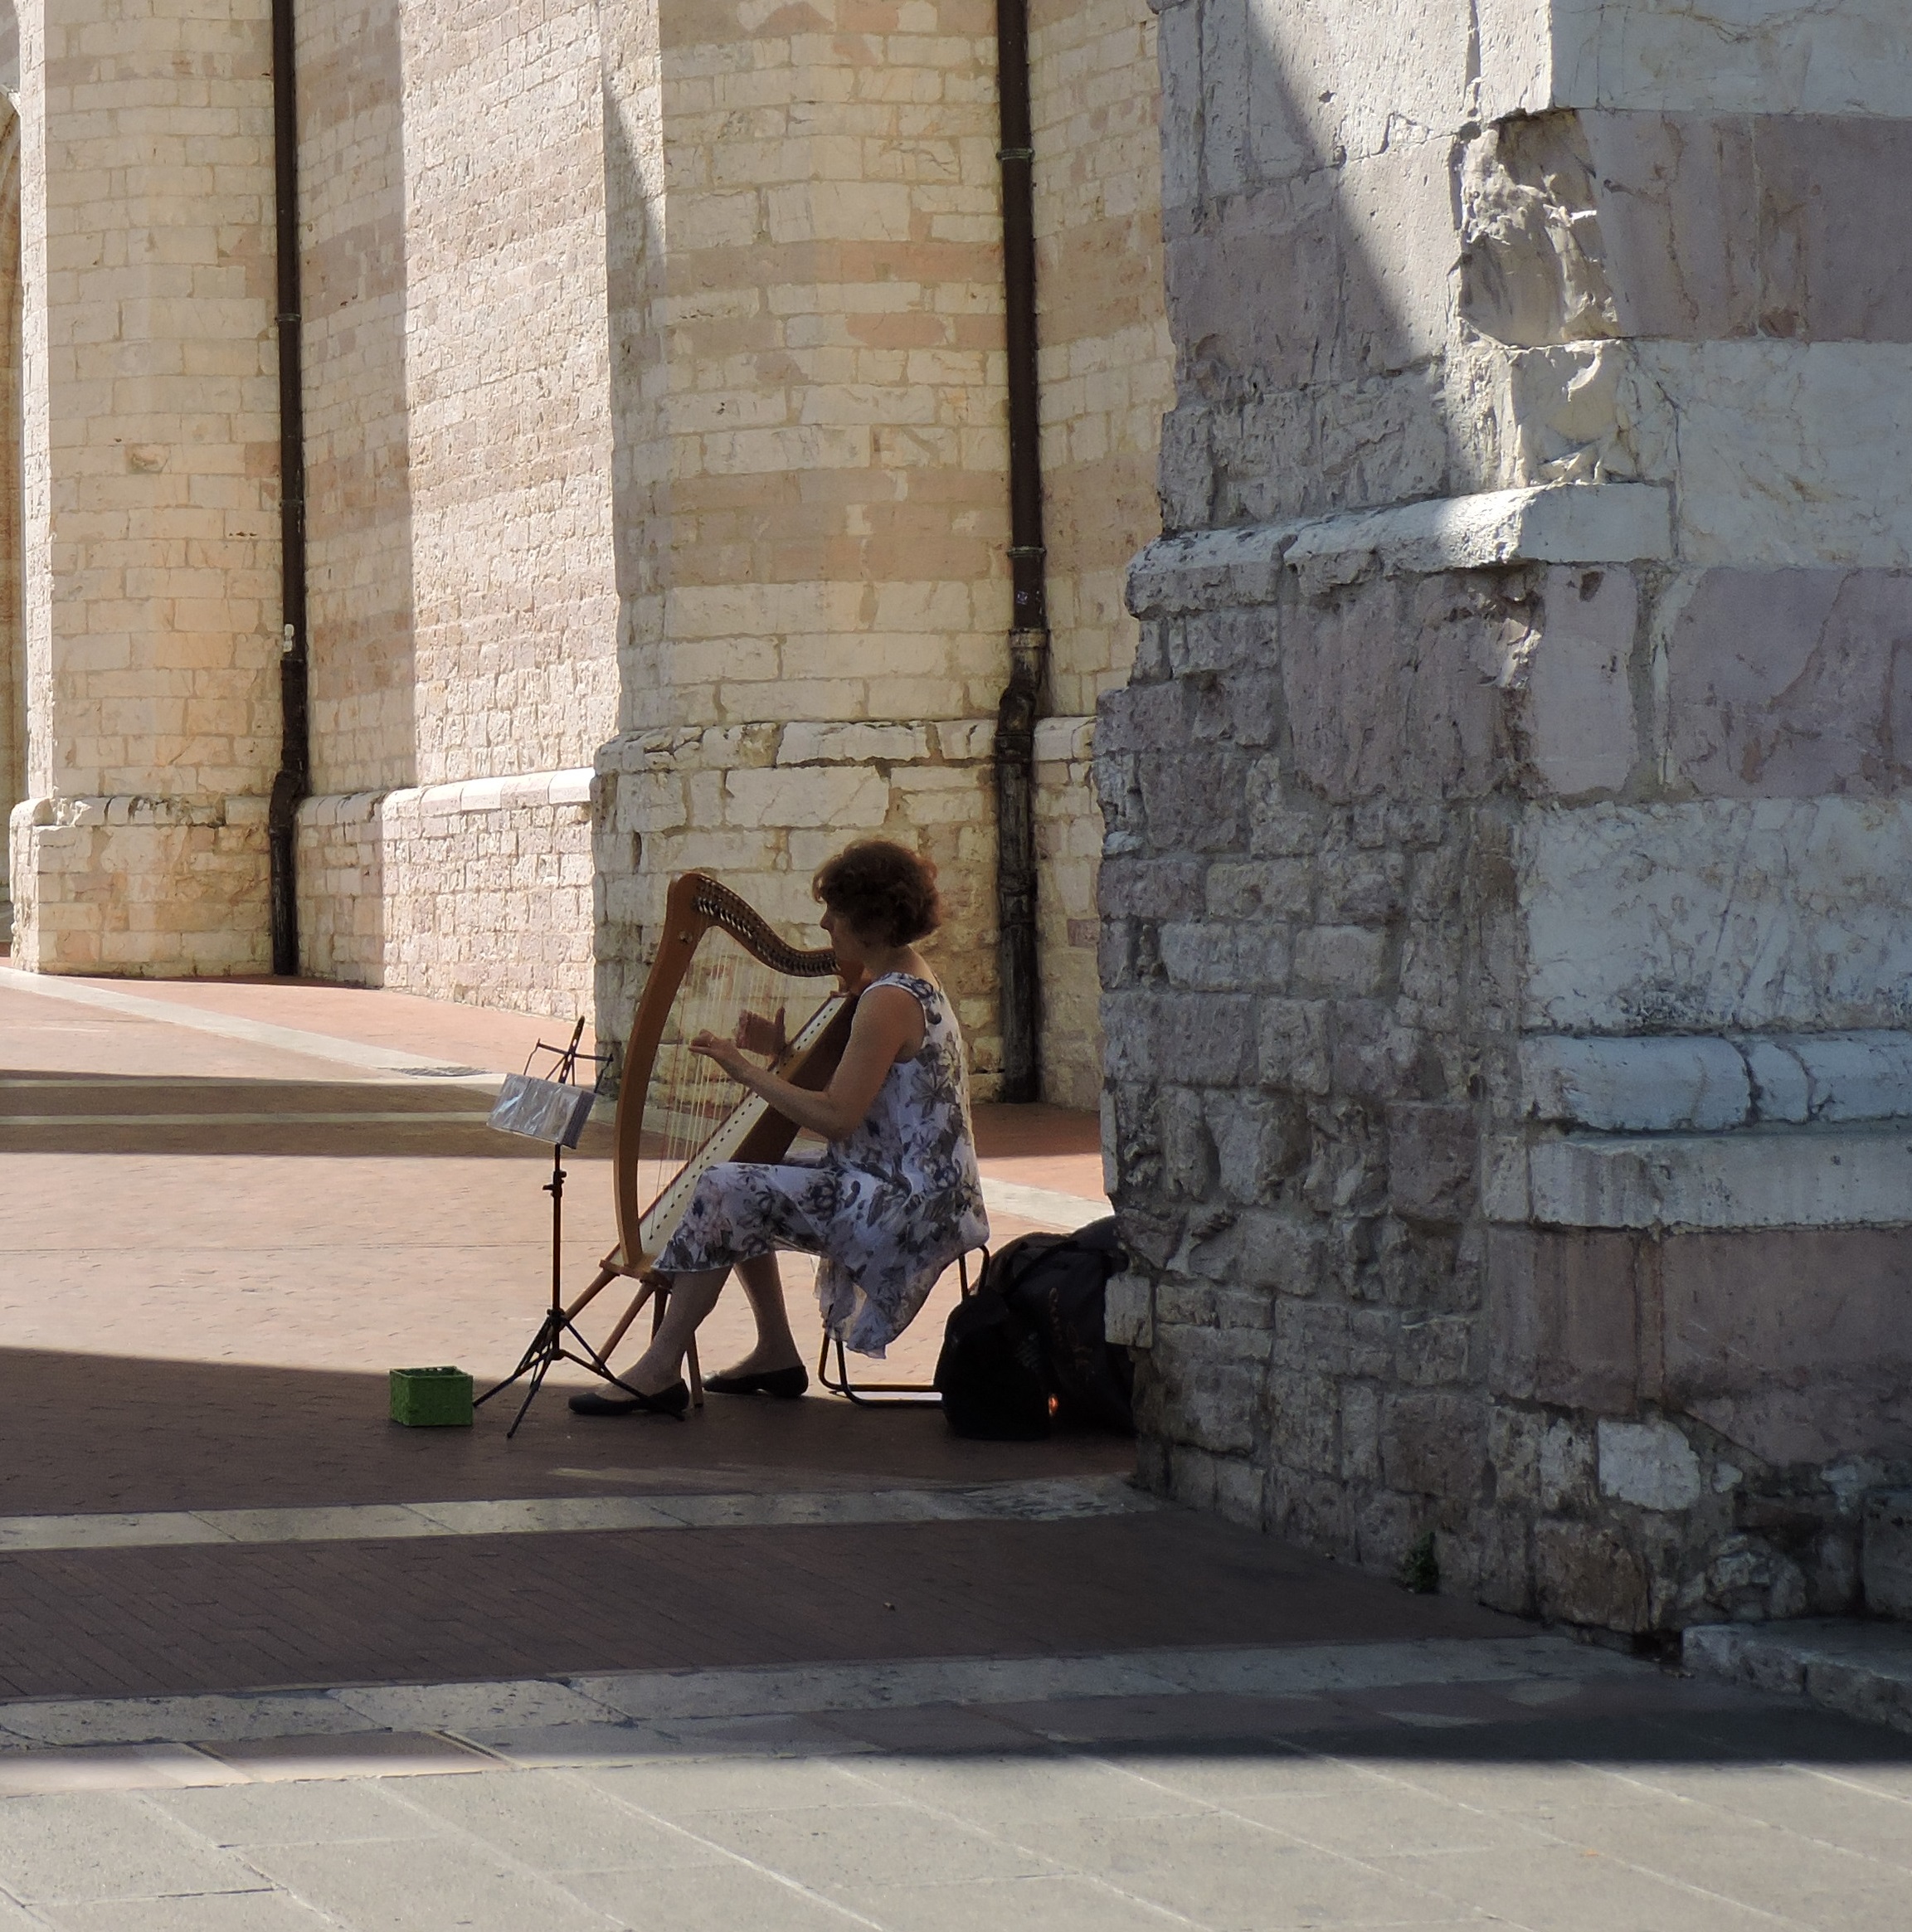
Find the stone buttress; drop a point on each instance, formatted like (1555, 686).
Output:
(1507, 887)
(149, 536)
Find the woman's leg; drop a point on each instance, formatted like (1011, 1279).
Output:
(775, 1345)
(692, 1298)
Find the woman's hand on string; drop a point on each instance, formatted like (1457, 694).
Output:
(726, 1052)
(756, 1034)
(888, 1026)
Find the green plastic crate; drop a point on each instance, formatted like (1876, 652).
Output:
(432, 1398)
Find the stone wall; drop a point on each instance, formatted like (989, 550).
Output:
(150, 584)
(479, 891)
(815, 598)
(1105, 367)
(463, 609)
(1505, 838)
(654, 382)
(507, 350)
(762, 805)
(354, 247)
(12, 651)
(1068, 851)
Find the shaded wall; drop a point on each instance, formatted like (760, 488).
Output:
(1504, 890)
(1106, 370)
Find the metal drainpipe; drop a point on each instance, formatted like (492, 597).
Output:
(1018, 970)
(293, 780)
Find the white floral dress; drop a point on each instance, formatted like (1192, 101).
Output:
(887, 1208)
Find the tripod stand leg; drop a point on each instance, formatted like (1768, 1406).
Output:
(538, 1357)
(537, 1376)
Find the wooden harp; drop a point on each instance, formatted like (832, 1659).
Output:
(678, 1113)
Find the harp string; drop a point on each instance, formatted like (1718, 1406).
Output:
(689, 1097)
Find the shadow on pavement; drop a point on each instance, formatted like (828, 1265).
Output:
(99, 1113)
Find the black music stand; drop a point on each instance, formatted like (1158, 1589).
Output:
(553, 1110)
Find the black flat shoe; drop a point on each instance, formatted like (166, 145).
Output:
(788, 1383)
(673, 1401)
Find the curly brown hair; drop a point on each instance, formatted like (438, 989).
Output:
(884, 891)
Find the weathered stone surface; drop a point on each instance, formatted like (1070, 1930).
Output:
(1793, 684)
(1805, 1178)
(1845, 60)
(1886, 1553)
(1431, 1162)
(1860, 1669)
(1563, 1321)
(1788, 451)
(1795, 1346)
(1589, 1576)
(1434, 1443)
(1392, 686)
(1571, 531)
(1569, 708)
(1649, 1464)
(1672, 1082)
(1686, 918)
(1652, 1085)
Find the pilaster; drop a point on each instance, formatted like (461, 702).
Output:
(150, 590)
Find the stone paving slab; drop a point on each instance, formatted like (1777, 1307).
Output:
(1679, 1804)
(771, 1716)
(623, 1705)
(93, 1435)
(1042, 1499)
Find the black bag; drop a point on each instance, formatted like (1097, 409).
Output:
(1058, 1283)
(989, 1374)
(1028, 1343)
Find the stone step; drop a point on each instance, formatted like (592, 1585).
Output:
(1863, 1670)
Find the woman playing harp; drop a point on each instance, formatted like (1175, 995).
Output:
(895, 1197)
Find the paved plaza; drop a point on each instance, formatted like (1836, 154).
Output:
(268, 1662)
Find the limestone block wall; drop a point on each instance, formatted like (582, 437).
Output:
(1106, 368)
(820, 466)
(465, 607)
(12, 644)
(762, 805)
(507, 388)
(354, 260)
(1107, 362)
(1069, 851)
(479, 891)
(149, 552)
(1506, 820)
(832, 305)
(815, 600)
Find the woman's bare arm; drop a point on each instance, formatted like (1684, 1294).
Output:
(888, 1026)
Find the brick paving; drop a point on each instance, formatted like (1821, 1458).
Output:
(159, 1621)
